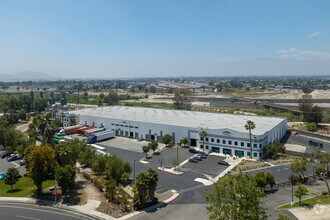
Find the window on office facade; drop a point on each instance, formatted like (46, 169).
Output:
(224, 141)
(242, 144)
(236, 143)
(207, 139)
(229, 142)
(212, 140)
(218, 140)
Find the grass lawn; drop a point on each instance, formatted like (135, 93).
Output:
(308, 202)
(23, 188)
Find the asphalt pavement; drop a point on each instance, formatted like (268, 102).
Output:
(304, 141)
(20, 211)
(5, 165)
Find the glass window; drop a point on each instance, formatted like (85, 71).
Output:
(242, 144)
(229, 142)
(255, 154)
(260, 154)
(260, 145)
(248, 144)
(224, 141)
(218, 140)
(254, 145)
(202, 146)
(249, 153)
(212, 139)
(207, 147)
(236, 143)
(207, 139)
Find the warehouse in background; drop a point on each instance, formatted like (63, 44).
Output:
(225, 132)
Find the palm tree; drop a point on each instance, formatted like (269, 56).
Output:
(203, 134)
(250, 125)
(152, 183)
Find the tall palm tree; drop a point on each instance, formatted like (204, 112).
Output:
(250, 125)
(203, 134)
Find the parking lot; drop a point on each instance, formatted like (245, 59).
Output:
(281, 172)
(207, 166)
(5, 165)
(304, 141)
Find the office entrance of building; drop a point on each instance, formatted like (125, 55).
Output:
(193, 142)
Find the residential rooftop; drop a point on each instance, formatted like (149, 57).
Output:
(192, 119)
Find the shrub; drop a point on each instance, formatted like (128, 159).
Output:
(324, 193)
(98, 184)
(311, 126)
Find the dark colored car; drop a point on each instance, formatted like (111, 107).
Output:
(204, 154)
(222, 162)
(5, 154)
(193, 150)
(12, 158)
(193, 159)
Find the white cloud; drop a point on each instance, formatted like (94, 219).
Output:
(315, 34)
(294, 53)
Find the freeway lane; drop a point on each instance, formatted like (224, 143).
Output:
(21, 211)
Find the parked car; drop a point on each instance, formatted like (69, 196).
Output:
(222, 162)
(203, 153)
(193, 150)
(193, 159)
(5, 154)
(198, 157)
(13, 158)
(22, 162)
(2, 176)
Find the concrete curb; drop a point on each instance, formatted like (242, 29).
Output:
(170, 171)
(18, 199)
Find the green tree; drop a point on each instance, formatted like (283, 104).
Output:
(153, 145)
(167, 139)
(203, 135)
(311, 112)
(300, 192)
(235, 197)
(110, 190)
(299, 165)
(184, 141)
(263, 179)
(42, 165)
(12, 177)
(182, 99)
(112, 98)
(86, 155)
(322, 173)
(272, 150)
(65, 177)
(250, 125)
(145, 187)
(146, 149)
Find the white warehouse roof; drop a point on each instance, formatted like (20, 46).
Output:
(192, 119)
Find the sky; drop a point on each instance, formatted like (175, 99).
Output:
(145, 38)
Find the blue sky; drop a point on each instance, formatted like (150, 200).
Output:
(128, 38)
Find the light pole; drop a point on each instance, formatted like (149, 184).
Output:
(177, 155)
(55, 190)
(134, 171)
(291, 181)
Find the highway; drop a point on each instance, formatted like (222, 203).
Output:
(22, 211)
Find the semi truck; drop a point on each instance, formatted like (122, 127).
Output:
(99, 150)
(93, 131)
(101, 136)
(57, 139)
(69, 130)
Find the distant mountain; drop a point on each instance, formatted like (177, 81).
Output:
(26, 76)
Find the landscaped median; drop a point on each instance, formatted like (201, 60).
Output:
(308, 202)
(23, 188)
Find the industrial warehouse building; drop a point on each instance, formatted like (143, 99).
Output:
(225, 132)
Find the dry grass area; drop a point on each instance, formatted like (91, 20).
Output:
(281, 160)
(249, 165)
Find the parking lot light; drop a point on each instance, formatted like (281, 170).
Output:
(134, 170)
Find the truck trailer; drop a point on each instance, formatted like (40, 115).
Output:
(101, 136)
(82, 130)
(94, 130)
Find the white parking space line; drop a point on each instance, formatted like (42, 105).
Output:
(25, 217)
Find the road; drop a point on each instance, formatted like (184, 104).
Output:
(21, 211)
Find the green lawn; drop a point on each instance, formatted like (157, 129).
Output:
(308, 202)
(23, 188)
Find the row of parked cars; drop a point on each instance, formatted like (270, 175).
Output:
(202, 155)
(10, 156)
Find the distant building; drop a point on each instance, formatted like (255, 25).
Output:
(226, 132)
